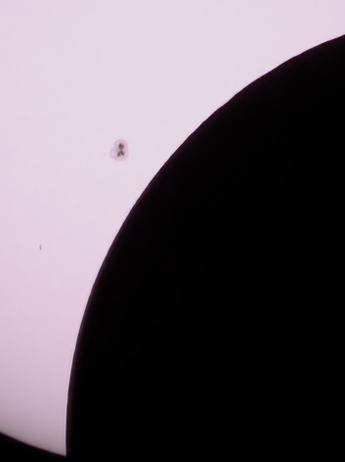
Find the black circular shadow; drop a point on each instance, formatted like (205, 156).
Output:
(205, 329)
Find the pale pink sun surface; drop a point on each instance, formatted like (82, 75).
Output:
(76, 78)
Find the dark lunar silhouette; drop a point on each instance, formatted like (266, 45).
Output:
(209, 327)
(205, 330)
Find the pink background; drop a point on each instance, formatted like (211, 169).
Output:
(75, 76)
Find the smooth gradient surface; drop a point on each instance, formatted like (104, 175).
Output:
(76, 76)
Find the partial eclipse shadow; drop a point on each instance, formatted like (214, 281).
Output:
(209, 325)
(205, 329)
